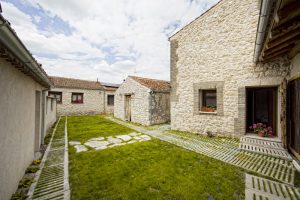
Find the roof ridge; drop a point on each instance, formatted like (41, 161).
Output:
(74, 79)
(149, 78)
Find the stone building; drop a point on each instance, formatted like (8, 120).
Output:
(82, 97)
(231, 67)
(110, 89)
(26, 111)
(143, 101)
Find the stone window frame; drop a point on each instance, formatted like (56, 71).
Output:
(108, 101)
(208, 85)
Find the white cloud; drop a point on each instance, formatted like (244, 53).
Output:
(134, 30)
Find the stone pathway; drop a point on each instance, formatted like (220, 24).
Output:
(101, 143)
(261, 188)
(52, 180)
(264, 146)
(227, 150)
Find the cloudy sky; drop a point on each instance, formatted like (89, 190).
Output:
(107, 39)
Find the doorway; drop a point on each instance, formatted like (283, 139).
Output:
(261, 107)
(128, 107)
(37, 121)
(293, 117)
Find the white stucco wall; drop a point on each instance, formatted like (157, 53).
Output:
(93, 102)
(17, 126)
(217, 47)
(50, 112)
(139, 101)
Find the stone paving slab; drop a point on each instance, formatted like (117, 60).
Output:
(53, 181)
(101, 143)
(96, 144)
(124, 137)
(265, 147)
(262, 188)
(80, 148)
(226, 151)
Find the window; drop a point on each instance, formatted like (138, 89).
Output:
(208, 101)
(77, 98)
(57, 95)
(110, 100)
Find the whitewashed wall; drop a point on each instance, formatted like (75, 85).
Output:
(17, 126)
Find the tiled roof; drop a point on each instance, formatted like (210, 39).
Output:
(153, 84)
(62, 82)
(110, 84)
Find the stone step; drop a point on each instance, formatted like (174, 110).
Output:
(265, 147)
(261, 188)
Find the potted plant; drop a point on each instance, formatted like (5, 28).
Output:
(208, 109)
(262, 130)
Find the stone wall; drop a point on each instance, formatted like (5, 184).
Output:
(17, 126)
(139, 102)
(109, 109)
(295, 66)
(219, 47)
(93, 102)
(159, 107)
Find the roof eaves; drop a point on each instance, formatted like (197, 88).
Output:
(15, 49)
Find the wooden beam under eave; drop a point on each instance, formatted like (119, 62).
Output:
(278, 48)
(295, 50)
(275, 55)
(288, 27)
(289, 12)
(291, 35)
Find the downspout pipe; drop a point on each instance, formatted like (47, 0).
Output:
(11, 41)
(264, 16)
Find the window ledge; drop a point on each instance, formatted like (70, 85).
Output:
(208, 113)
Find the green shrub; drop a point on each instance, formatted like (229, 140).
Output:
(36, 162)
(25, 182)
(32, 169)
(19, 196)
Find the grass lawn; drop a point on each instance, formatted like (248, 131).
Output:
(145, 170)
(83, 128)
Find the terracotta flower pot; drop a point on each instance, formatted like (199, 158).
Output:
(261, 134)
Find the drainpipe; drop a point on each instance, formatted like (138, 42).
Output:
(264, 15)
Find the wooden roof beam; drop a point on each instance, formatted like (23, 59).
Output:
(289, 12)
(290, 36)
(275, 55)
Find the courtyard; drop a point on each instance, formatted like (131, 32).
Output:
(111, 159)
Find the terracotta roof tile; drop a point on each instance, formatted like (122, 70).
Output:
(62, 82)
(153, 84)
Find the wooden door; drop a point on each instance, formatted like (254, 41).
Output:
(293, 116)
(128, 107)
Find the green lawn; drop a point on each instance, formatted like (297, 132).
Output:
(145, 170)
(83, 128)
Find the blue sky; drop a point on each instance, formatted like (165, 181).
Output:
(107, 39)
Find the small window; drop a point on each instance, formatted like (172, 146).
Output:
(110, 100)
(208, 101)
(57, 95)
(77, 98)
